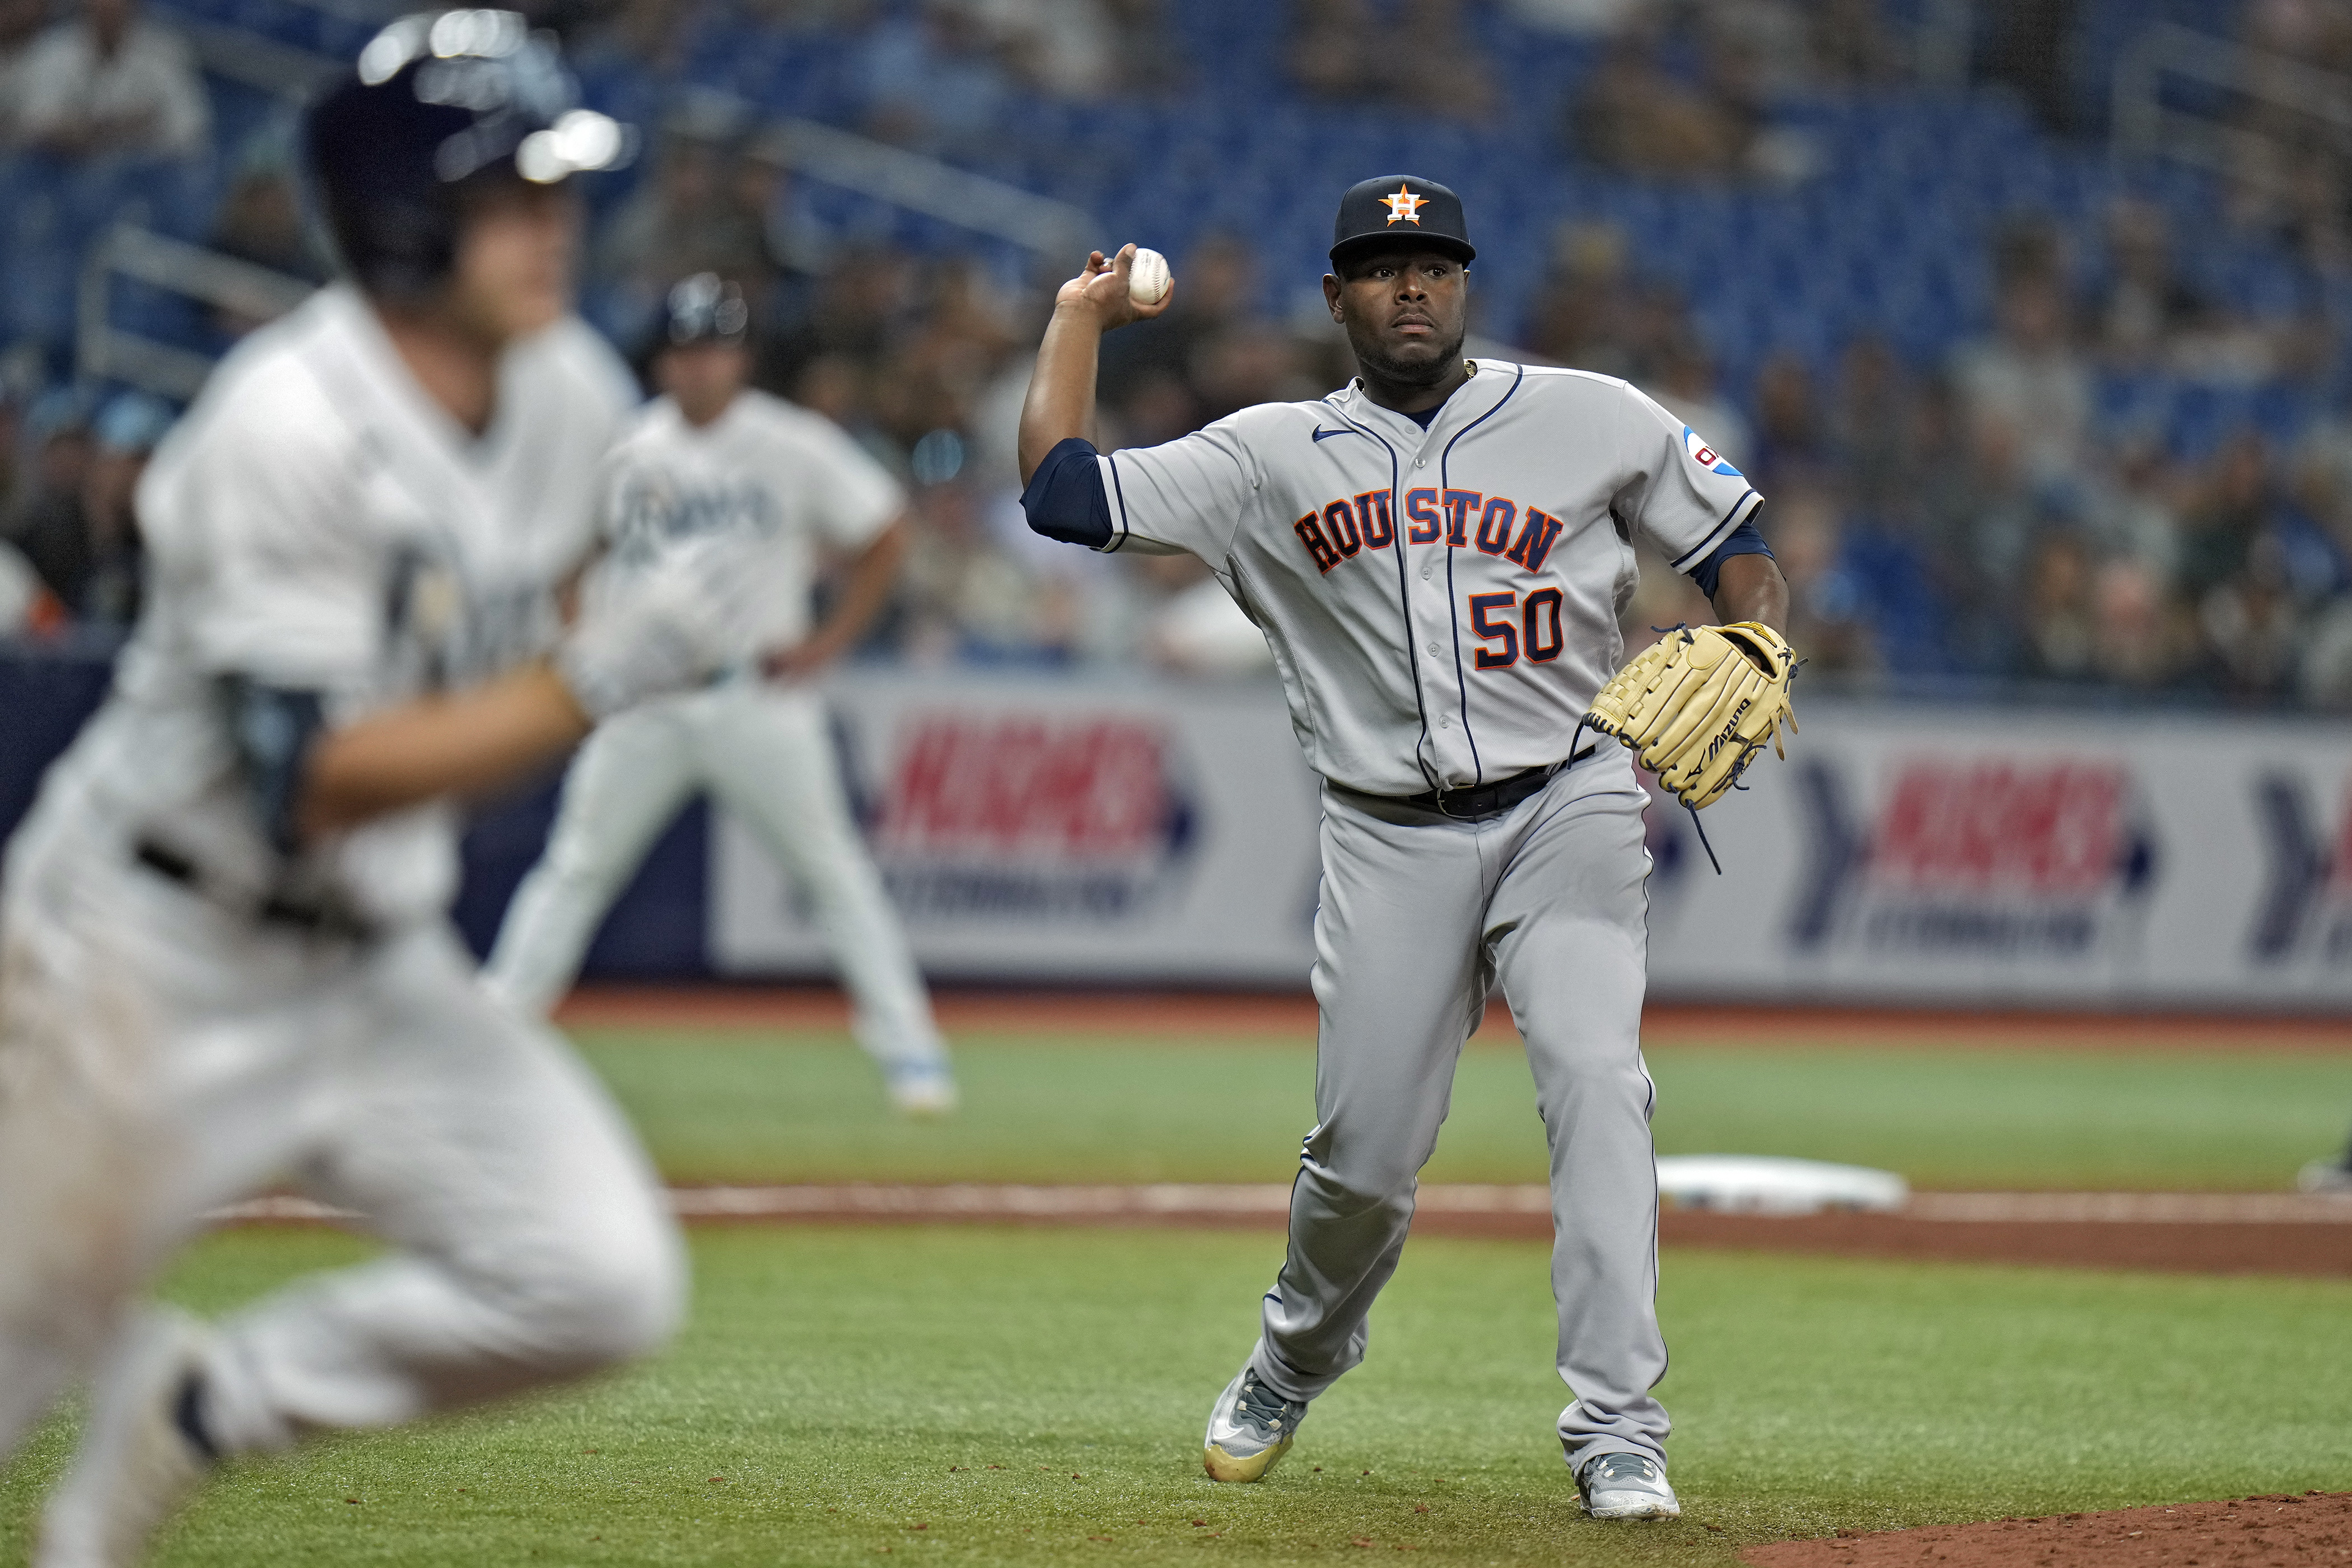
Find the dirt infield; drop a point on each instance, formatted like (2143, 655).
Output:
(2197, 1233)
(2275, 1531)
(1210, 1012)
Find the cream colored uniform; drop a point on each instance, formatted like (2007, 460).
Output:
(770, 484)
(172, 1041)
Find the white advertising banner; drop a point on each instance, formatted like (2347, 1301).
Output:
(1053, 829)
(1961, 856)
(1044, 829)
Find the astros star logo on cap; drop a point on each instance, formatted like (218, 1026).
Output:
(1404, 206)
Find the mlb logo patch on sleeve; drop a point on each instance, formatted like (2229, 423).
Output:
(1704, 456)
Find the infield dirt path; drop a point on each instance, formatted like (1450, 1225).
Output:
(2313, 1531)
(1220, 1014)
(2193, 1233)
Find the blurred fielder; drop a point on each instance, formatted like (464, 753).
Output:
(714, 466)
(226, 957)
(1437, 554)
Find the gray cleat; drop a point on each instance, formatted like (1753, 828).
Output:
(1250, 1427)
(1626, 1486)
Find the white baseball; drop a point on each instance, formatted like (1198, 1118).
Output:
(1147, 278)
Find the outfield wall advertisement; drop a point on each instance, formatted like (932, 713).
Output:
(1935, 854)
(1053, 829)
(1059, 830)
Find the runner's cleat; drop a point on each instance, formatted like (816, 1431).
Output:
(145, 1449)
(1250, 1427)
(924, 1092)
(2327, 1176)
(1626, 1486)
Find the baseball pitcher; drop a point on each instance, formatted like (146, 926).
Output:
(718, 467)
(225, 960)
(1437, 554)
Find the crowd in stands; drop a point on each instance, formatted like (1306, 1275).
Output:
(1979, 512)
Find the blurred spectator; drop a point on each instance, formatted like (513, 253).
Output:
(1147, 368)
(127, 430)
(2140, 640)
(1872, 428)
(1685, 388)
(1636, 113)
(1827, 623)
(2061, 631)
(1198, 629)
(260, 218)
(2254, 627)
(2026, 378)
(2228, 509)
(850, 320)
(1791, 445)
(1573, 16)
(1151, 58)
(21, 25)
(1976, 528)
(2143, 304)
(1634, 116)
(969, 597)
(1063, 48)
(45, 514)
(111, 81)
(1421, 58)
(932, 79)
(700, 211)
(1850, 43)
(1584, 315)
(1435, 67)
(27, 606)
(2025, 47)
(939, 367)
(1333, 47)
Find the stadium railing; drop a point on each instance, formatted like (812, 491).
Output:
(106, 352)
(2147, 125)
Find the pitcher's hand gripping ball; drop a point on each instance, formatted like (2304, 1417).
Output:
(1697, 705)
(1147, 277)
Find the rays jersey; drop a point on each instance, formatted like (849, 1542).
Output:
(316, 524)
(767, 481)
(1442, 603)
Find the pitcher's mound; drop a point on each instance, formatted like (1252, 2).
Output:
(2313, 1531)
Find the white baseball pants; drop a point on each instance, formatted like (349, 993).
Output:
(1420, 918)
(160, 1057)
(763, 749)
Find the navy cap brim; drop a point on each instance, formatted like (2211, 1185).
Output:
(1357, 246)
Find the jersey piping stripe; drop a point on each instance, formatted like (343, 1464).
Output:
(1452, 600)
(1723, 530)
(1118, 490)
(1404, 594)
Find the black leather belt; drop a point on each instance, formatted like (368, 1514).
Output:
(276, 909)
(1492, 800)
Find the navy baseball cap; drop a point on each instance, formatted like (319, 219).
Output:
(707, 308)
(1398, 210)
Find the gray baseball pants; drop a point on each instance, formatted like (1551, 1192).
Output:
(1421, 917)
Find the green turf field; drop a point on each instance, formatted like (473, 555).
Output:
(749, 1106)
(1034, 1397)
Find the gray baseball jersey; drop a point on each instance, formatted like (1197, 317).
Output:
(1442, 603)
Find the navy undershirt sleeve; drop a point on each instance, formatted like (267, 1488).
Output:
(1065, 499)
(274, 729)
(1744, 540)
